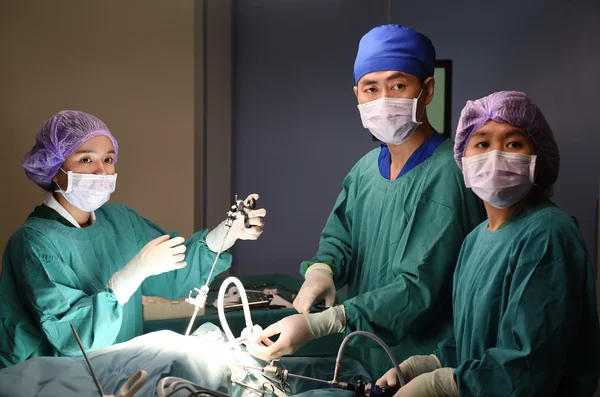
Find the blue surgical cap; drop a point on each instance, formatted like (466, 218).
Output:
(395, 47)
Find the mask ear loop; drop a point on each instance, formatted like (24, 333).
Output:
(533, 172)
(415, 108)
(416, 104)
(60, 189)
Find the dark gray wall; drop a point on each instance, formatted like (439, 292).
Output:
(297, 131)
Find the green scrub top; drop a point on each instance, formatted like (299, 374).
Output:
(525, 320)
(395, 244)
(54, 273)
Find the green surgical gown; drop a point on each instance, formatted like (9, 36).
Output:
(395, 244)
(54, 274)
(525, 321)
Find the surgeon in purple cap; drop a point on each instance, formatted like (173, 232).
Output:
(525, 319)
(78, 260)
(396, 229)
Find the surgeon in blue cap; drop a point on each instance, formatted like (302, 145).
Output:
(396, 229)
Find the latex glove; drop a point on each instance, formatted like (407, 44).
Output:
(163, 254)
(410, 368)
(439, 383)
(294, 333)
(256, 219)
(318, 283)
(297, 330)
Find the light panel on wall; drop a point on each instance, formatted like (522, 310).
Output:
(439, 111)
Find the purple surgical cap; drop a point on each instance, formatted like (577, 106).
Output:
(516, 109)
(59, 137)
(394, 47)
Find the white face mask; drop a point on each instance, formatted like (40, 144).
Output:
(500, 179)
(88, 192)
(391, 120)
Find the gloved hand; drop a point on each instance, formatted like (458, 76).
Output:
(318, 283)
(410, 368)
(297, 330)
(294, 333)
(439, 383)
(256, 219)
(160, 255)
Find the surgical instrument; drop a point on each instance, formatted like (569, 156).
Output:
(199, 301)
(359, 388)
(133, 384)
